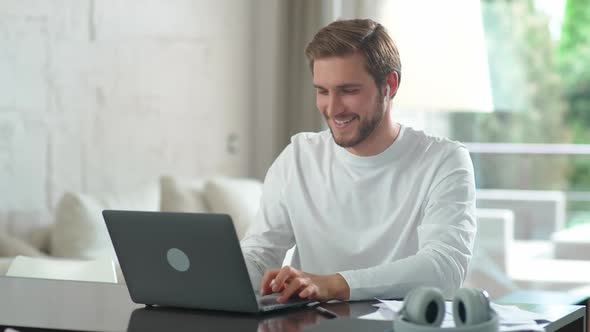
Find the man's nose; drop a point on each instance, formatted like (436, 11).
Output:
(334, 105)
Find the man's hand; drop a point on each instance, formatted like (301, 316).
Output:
(291, 282)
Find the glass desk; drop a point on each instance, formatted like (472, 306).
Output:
(39, 304)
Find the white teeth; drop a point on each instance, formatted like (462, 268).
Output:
(343, 122)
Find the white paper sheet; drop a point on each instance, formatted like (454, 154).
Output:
(380, 314)
(511, 317)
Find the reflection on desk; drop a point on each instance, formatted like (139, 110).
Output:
(167, 319)
(288, 320)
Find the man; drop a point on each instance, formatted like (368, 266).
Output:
(374, 208)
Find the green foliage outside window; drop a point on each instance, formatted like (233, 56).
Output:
(574, 66)
(528, 96)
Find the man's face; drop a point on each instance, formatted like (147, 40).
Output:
(348, 98)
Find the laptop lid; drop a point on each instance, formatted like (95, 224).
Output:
(189, 260)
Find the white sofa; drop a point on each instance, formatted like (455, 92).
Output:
(79, 232)
(500, 264)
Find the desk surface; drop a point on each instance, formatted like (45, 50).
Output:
(84, 306)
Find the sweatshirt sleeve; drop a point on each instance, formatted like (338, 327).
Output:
(445, 235)
(270, 236)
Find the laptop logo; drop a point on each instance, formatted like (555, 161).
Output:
(178, 259)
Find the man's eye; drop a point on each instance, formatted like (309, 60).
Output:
(322, 92)
(350, 91)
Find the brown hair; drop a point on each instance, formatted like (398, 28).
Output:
(345, 37)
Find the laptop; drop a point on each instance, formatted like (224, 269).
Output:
(188, 260)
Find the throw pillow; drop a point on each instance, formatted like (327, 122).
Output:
(238, 197)
(182, 195)
(80, 230)
(40, 237)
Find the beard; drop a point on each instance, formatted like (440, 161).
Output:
(364, 130)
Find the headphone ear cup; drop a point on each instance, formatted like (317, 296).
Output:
(424, 306)
(471, 306)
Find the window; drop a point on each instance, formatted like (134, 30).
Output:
(538, 59)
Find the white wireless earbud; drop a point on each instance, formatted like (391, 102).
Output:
(388, 90)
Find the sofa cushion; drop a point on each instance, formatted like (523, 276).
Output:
(40, 237)
(572, 243)
(80, 230)
(5, 264)
(13, 246)
(488, 268)
(182, 195)
(96, 270)
(537, 213)
(240, 198)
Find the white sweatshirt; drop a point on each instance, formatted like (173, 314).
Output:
(386, 223)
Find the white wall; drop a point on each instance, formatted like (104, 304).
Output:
(104, 95)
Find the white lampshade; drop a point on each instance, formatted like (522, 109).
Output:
(443, 54)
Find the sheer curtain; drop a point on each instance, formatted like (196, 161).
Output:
(284, 98)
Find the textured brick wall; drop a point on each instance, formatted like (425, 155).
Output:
(103, 95)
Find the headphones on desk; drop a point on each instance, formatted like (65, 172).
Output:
(424, 311)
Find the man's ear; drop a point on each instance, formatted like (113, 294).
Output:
(392, 82)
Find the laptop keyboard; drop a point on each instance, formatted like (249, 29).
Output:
(270, 306)
(269, 302)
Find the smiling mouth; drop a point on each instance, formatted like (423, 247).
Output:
(342, 123)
